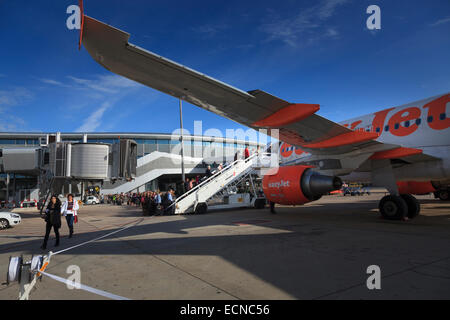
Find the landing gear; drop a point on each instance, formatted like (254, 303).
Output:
(260, 203)
(442, 194)
(413, 205)
(393, 208)
(399, 207)
(201, 208)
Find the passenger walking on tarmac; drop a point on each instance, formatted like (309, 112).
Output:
(53, 219)
(168, 201)
(158, 203)
(172, 199)
(70, 210)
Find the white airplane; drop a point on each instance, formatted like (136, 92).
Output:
(404, 149)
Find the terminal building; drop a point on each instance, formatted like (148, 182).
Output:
(158, 160)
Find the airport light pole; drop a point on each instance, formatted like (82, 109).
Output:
(181, 141)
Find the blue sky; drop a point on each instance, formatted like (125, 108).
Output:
(301, 51)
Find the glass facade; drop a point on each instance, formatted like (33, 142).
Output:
(146, 145)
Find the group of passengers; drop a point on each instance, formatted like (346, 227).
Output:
(155, 203)
(151, 202)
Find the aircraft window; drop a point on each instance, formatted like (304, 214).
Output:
(386, 128)
(442, 116)
(407, 124)
(377, 129)
(396, 126)
(430, 119)
(418, 121)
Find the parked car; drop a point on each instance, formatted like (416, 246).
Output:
(92, 200)
(9, 219)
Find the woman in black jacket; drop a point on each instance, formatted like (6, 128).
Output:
(53, 219)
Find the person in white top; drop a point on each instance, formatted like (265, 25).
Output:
(70, 210)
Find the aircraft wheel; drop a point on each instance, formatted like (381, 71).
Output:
(393, 207)
(443, 195)
(201, 208)
(413, 205)
(260, 203)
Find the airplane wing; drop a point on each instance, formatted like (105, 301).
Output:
(297, 123)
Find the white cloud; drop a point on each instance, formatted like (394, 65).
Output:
(441, 21)
(210, 30)
(14, 97)
(97, 93)
(55, 83)
(94, 120)
(104, 83)
(327, 8)
(306, 27)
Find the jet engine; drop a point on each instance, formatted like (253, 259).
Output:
(293, 185)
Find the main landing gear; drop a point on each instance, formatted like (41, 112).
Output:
(402, 207)
(443, 194)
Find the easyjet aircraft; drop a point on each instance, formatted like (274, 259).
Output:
(404, 149)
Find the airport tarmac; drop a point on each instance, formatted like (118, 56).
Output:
(317, 251)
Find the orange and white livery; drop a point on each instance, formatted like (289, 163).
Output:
(404, 149)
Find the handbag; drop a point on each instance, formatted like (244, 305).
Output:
(75, 219)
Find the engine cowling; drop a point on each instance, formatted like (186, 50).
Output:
(415, 187)
(292, 185)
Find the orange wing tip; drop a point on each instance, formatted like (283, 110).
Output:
(395, 153)
(80, 3)
(287, 115)
(344, 139)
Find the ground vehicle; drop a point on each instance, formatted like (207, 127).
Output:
(92, 200)
(9, 219)
(28, 204)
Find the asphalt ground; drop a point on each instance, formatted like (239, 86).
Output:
(317, 251)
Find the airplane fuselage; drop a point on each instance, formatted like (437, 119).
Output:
(423, 125)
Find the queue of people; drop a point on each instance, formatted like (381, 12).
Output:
(151, 202)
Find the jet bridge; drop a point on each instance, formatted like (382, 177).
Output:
(59, 163)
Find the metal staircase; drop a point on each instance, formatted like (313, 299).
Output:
(195, 199)
(46, 180)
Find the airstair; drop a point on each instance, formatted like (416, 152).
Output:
(194, 201)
